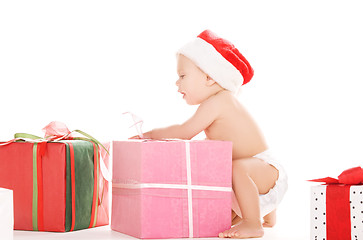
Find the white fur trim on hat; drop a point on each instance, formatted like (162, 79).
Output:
(209, 60)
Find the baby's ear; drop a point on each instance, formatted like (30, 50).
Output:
(210, 81)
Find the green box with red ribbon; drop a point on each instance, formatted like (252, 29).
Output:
(57, 182)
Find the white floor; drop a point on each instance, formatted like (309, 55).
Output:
(292, 223)
(106, 233)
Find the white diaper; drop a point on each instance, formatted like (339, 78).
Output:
(270, 200)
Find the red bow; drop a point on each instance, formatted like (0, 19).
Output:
(350, 176)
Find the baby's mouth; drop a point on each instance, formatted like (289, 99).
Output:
(183, 93)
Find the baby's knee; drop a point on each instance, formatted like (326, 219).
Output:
(240, 167)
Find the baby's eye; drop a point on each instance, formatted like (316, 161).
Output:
(182, 76)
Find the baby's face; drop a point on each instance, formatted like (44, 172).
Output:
(192, 81)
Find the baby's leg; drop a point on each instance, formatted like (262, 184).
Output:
(250, 177)
(270, 219)
(235, 218)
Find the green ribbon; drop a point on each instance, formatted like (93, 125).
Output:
(91, 138)
(26, 135)
(35, 189)
(84, 161)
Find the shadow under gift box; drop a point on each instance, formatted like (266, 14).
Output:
(57, 185)
(171, 189)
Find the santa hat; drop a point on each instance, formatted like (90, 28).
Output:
(219, 59)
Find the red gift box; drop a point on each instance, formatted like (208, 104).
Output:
(58, 186)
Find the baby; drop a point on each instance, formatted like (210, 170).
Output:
(210, 71)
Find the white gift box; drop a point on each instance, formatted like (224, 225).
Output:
(336, 212)
(6, 214)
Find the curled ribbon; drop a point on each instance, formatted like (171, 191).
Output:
(351, 176)
(137, 123)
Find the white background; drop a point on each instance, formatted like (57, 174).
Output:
(84, 63)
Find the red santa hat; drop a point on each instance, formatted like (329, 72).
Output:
(220, 59)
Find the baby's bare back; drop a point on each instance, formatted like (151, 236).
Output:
(235, 124)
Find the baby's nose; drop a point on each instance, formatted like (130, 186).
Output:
(177, 82)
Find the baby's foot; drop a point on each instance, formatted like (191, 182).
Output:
(269, 219)
(244, 229)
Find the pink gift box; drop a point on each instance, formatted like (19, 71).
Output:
(171, 189)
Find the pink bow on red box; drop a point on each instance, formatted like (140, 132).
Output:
(351, 176)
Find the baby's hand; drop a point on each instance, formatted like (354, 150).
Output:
(146, 135)
(135, 137)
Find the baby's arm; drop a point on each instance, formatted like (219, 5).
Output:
(206, 113)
